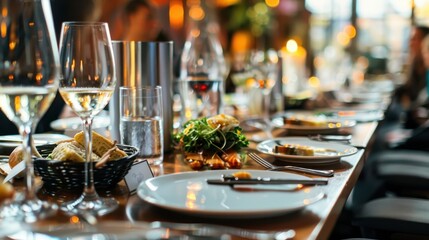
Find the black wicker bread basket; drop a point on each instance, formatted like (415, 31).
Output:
(70, 175)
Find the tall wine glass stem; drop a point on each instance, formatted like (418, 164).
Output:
(31, 207)
(89, 203)
(26, 132)
(266, 114)
(89, 187)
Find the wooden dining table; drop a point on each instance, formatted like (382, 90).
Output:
(315, 221)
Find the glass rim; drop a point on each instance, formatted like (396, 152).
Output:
(84, 23)
(140, 88)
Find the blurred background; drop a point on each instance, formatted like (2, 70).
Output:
(328, 31)
(322, 45)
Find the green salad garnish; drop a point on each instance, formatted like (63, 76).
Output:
(201, 135)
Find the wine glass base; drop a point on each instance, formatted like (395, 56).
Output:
(28, 211)
(95, 207)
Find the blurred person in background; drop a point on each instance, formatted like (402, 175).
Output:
(407, 113)
(408, 95)
(404, 113)
(140, 22)
(417, 137)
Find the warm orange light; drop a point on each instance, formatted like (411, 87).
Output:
(343, 38)
(39, 63)
(195, 33)
(17, 103)
(241, 42)
(350, 30)
(292, 46)
(74, 219)
(4, 12)
(272, 3)
(159, 2)
(196, 13)
(346, 113)
(176, 14)
(193, 2)
(39, 77)
(226, 3)
(3, 28)
(12, 45)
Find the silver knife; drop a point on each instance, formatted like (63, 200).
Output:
(234, 181)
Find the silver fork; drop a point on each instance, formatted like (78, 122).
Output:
(271, 167)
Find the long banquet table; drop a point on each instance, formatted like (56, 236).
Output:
(316, 221)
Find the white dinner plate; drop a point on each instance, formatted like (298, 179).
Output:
(39, 138)
(189, 193)
(102, 230)
(327, 152)
(329, 125)
(10, 142)
(359, 97)
(75, 123)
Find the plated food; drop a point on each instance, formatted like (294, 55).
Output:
(358, 115)
(212, 143)
(308, 123)
(294, 149)
(305, 151)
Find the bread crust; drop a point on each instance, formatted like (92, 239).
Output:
(100, 145)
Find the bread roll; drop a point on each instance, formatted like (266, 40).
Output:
(100, 145)
(15, 156)
(71, 151)
(6, 191)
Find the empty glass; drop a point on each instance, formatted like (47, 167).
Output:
(263, 66)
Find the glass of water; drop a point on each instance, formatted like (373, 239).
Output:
(141, 121)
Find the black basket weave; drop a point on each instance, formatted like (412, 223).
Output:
(70, 175)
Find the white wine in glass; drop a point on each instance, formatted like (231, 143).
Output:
(29, 68)
(86, 85)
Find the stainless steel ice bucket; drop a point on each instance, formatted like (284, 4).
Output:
(144, 64)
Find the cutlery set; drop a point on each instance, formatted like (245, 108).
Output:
(271, 167)
(227, 180)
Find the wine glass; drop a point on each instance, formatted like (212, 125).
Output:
(263, 67)
(29, 67)
(86, 85)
